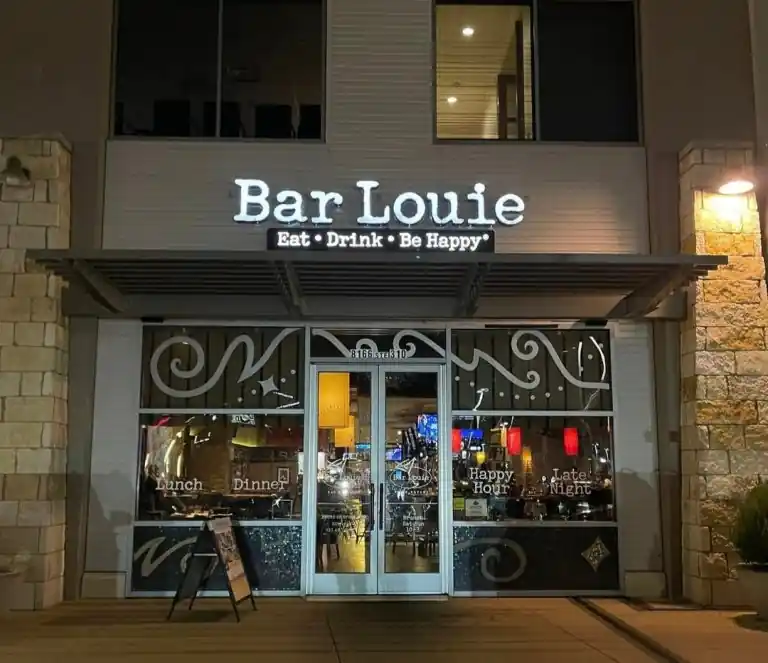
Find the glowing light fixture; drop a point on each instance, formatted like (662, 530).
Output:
(571, 441)
(451, 100)
(333, 400)
(526, 456)
(456, 440)
(514, 441)
(468, 31)
(736, 187)
(346, 437)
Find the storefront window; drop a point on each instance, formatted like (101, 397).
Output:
(533, 468)
(249, 466)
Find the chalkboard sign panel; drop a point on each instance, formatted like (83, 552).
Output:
(215, 544)
(199, 570)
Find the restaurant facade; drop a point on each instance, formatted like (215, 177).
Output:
(415, 353)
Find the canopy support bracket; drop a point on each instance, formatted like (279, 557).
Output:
(289, 283)
(98, 287)
(466, 305)
(650, 295)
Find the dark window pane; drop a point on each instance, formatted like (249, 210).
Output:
(118, 122)
(587, 71)
(273, 121)
(273, 63)
(311, 124)
(166, 65)
(172, 117)
(231, 123)
(484, 70)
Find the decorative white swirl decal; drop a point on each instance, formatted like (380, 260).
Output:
(150, 561)
(250, 368)
(344, 351)
(532, 351)
(603, 363)
(529, 351)
(532, 376)
(363, 344)
(491, 556)
(603, 368)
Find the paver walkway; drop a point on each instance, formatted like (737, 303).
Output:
(298, 631)
(695, 636)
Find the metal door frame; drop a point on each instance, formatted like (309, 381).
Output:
(411, 583)
(373, 582)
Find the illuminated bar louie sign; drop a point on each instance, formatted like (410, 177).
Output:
(258, 204)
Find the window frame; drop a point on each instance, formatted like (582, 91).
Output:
(537, 140)
(219, 87)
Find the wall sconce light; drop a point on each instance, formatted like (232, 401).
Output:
(736, 187)
(737, 182)
(14, 174)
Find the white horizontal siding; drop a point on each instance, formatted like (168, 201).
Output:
(379, 73)
(181, 195)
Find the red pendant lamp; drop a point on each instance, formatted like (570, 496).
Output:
(456, 440)
(571, 441)
(514, 441)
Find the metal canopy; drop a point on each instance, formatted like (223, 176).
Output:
(112, 277)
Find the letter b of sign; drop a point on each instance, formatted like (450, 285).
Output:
(253, 198)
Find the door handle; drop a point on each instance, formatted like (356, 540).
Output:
(381, 506)
(372, 509)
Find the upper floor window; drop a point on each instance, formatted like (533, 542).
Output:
(219, 68)
(554, 70)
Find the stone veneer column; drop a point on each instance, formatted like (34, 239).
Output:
(724, 370)
(33, 370)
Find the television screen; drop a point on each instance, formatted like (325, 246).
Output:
(394, 455)
(427, 427)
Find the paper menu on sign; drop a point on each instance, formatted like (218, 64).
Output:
(226, 545)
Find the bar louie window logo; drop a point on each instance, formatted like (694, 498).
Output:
(258, 204)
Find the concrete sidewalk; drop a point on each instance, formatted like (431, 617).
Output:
(298, 631)
(689, 635)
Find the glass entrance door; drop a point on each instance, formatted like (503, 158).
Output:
(375, 480)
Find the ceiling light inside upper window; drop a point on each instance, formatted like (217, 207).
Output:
(467, 31)
(451, 100)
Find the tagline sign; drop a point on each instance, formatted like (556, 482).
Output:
(377, 241)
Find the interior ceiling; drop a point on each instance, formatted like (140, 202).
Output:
(401, 411)
(468, 67)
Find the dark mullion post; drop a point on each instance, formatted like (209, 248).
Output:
(219, 65)
(520, 78)
(536, 133)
